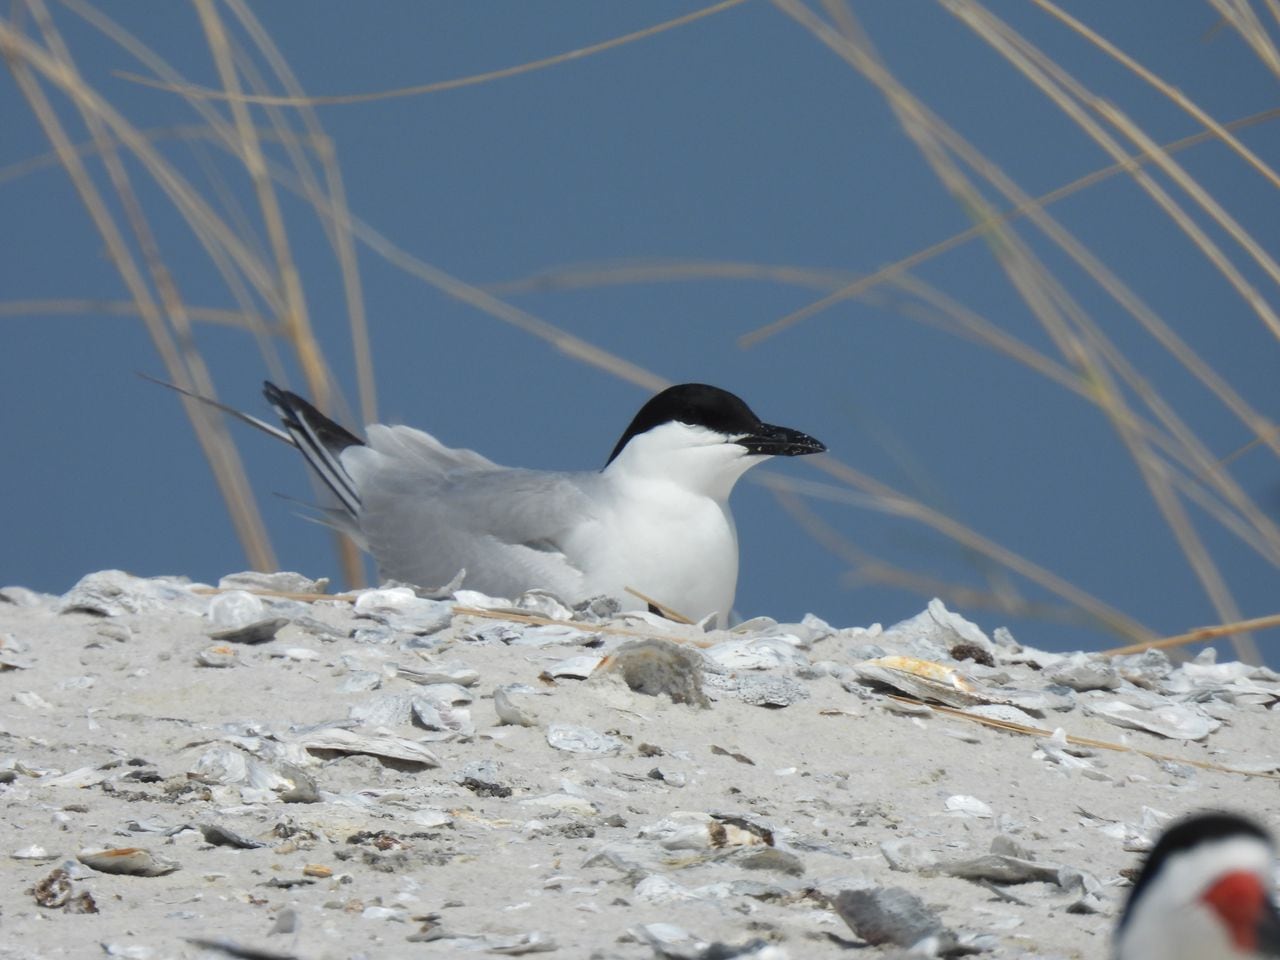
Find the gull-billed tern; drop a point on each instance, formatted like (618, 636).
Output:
(655, 520)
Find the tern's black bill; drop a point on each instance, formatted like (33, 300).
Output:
(770, 441)
(1267, 933)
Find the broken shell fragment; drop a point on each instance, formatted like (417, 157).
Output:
(402, 610)
(936, 628)
(928, 680)
(283, 581)
(112, 593)
(691, 830)
(512, 704)
(575, 668)
(998, 868)
(438, 715)
(34, 853)
(962, 805)
(382, 746)
(227, 765)
(260, 631)
(438, 673)
(235, 608)
(770, 691)
(128, 861)
(889, 915)
(573, 739)
(1177, 721)
(217, 655)
(1083, 672)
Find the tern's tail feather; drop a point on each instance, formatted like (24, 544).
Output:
(320, 440)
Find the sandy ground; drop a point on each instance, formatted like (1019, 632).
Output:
(116, 736)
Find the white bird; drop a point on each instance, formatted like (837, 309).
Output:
(654, 520)
(1204, 893)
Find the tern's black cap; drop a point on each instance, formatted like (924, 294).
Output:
(702, 405)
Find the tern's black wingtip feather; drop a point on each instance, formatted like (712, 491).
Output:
(320, 439)
(297, 412)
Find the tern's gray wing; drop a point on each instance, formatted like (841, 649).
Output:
(427, 510)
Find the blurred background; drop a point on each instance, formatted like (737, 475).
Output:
(1017, 270)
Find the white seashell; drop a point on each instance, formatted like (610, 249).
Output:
(756, 653)
(551, 634)
(652, 621)
(1002, 868)
(770, 691)
(564, 803)
(493, 634)
(384, 601)
(11, 650)
(297, 654)
(281, 582)
(34, 852)
(446, 693)
(387, 710)
(938, 626)
(222, 764)
(1002, 711)
(79, 778)
(235, 608)
(755, 625)
(966, 806)
(1147, 669)
(229, 766)
(218, 655)
(1083, 672)
(815, 628)
(360, 681)
(575, 668)
(908, 855)
(573, 739)
(376, 745)
(1177, 721)
(924, 679)
(401, 609)
(133, 951)
(893, 915)
(32, 700)
(431, 673)
(656, 888)
(442, 592)
(511, 712)
(906, 709)
(24, 597)
(481, 601)
(431, 817)
(398, 914)
(518, 944)
(113, 593)
(668, 940)
(437, 715)
(543, 604)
